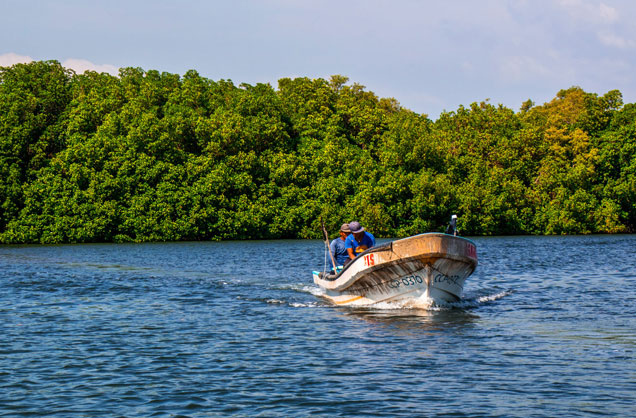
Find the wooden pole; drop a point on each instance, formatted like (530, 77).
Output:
(326, 235)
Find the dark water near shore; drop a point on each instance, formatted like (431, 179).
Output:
(547, 328)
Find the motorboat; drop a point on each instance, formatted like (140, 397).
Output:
(424, 269)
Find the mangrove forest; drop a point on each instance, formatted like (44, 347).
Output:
(153, 156)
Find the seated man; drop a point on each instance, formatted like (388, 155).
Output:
(338, 249)
(358, 241)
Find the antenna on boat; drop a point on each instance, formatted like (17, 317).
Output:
(452, 226)
(326, 236)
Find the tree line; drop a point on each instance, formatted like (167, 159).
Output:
(150, 156)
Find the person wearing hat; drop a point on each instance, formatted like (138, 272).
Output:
(359, 240)
(338, 249)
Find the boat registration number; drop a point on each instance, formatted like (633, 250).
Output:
(405, 281)
(369, 260)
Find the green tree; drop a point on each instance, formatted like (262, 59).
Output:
(33, 101)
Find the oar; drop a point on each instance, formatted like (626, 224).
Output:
(326, 235)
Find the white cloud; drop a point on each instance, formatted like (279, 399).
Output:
(7, 60)
(611, 39)
(80, 66)
(76, 64)
(591, 12)
(609, 14)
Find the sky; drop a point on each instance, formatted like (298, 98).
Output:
(431, 56)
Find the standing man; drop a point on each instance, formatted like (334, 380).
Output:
(359, 240)
(338, 249)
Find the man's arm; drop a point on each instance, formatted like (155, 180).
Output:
(349, 247)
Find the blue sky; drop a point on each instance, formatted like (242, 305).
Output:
(429, 55)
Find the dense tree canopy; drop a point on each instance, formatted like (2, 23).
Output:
(151, 156)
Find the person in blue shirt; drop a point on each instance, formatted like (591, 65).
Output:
(338, 249)
(359, 240)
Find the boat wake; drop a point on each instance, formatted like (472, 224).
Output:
(470, 301)
(496, 296)
(477, 301)
(293, 304)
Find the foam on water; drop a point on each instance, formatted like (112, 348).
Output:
(496, 296)
(422, 303)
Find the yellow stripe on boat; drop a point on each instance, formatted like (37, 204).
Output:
(349, 301)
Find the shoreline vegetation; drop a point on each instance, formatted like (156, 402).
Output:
(150, 156)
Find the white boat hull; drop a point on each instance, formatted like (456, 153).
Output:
(425, 269)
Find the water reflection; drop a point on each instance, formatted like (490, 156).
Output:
(414, 320)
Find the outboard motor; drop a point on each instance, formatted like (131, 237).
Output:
(452, 226)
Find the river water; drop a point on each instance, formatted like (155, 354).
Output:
(547, 328)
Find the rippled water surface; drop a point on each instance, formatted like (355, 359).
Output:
(547, 328)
